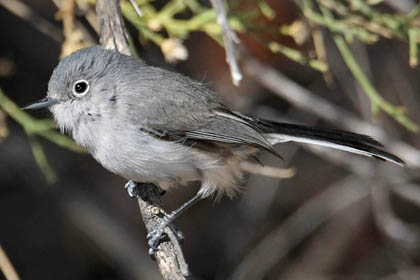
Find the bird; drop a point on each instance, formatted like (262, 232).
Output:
(148, 124)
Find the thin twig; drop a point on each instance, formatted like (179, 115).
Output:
(170, 258)
(6, 266)
(230, 39)
(43, 128)
(376, 99)
(112, 29)
(136, 7)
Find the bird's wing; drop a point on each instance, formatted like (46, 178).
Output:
(170, 106)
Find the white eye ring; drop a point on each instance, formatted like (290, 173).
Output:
(80, 88)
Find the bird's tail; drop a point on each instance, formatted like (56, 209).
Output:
(342, 140)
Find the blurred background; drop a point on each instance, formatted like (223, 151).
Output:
(343, 64)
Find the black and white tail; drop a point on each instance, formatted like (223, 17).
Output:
(342, 140)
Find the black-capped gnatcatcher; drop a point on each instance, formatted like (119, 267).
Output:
(151, 125)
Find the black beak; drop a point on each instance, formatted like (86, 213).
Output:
(41, 104)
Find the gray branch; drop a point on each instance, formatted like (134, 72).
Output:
(169, 257)
(112, 29)
(230, 39)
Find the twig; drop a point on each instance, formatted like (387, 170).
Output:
(136, 7)
(413, 35)
(41, 160)
(298, 57)
(112, 29)
(230, 39)
(6, 266)
(43, 128)
(376, 99)
(172, 264)
(169, 256)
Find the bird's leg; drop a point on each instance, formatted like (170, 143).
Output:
(155, 236)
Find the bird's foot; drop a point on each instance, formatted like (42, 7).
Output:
(156, 236)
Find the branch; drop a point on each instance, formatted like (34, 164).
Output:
(112, 29)
(230, 39)
(6, 266)
(169, 256)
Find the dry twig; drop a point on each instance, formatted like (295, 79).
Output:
(230, 39)
(6, 266)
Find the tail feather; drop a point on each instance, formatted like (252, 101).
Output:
(342, 140)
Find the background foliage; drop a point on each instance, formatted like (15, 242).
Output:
(334, 63)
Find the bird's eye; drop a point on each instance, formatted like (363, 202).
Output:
(80, 88)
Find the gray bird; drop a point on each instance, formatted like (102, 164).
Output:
(148, 124)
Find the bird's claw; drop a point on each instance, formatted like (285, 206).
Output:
(155, 237)
(132, 189)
